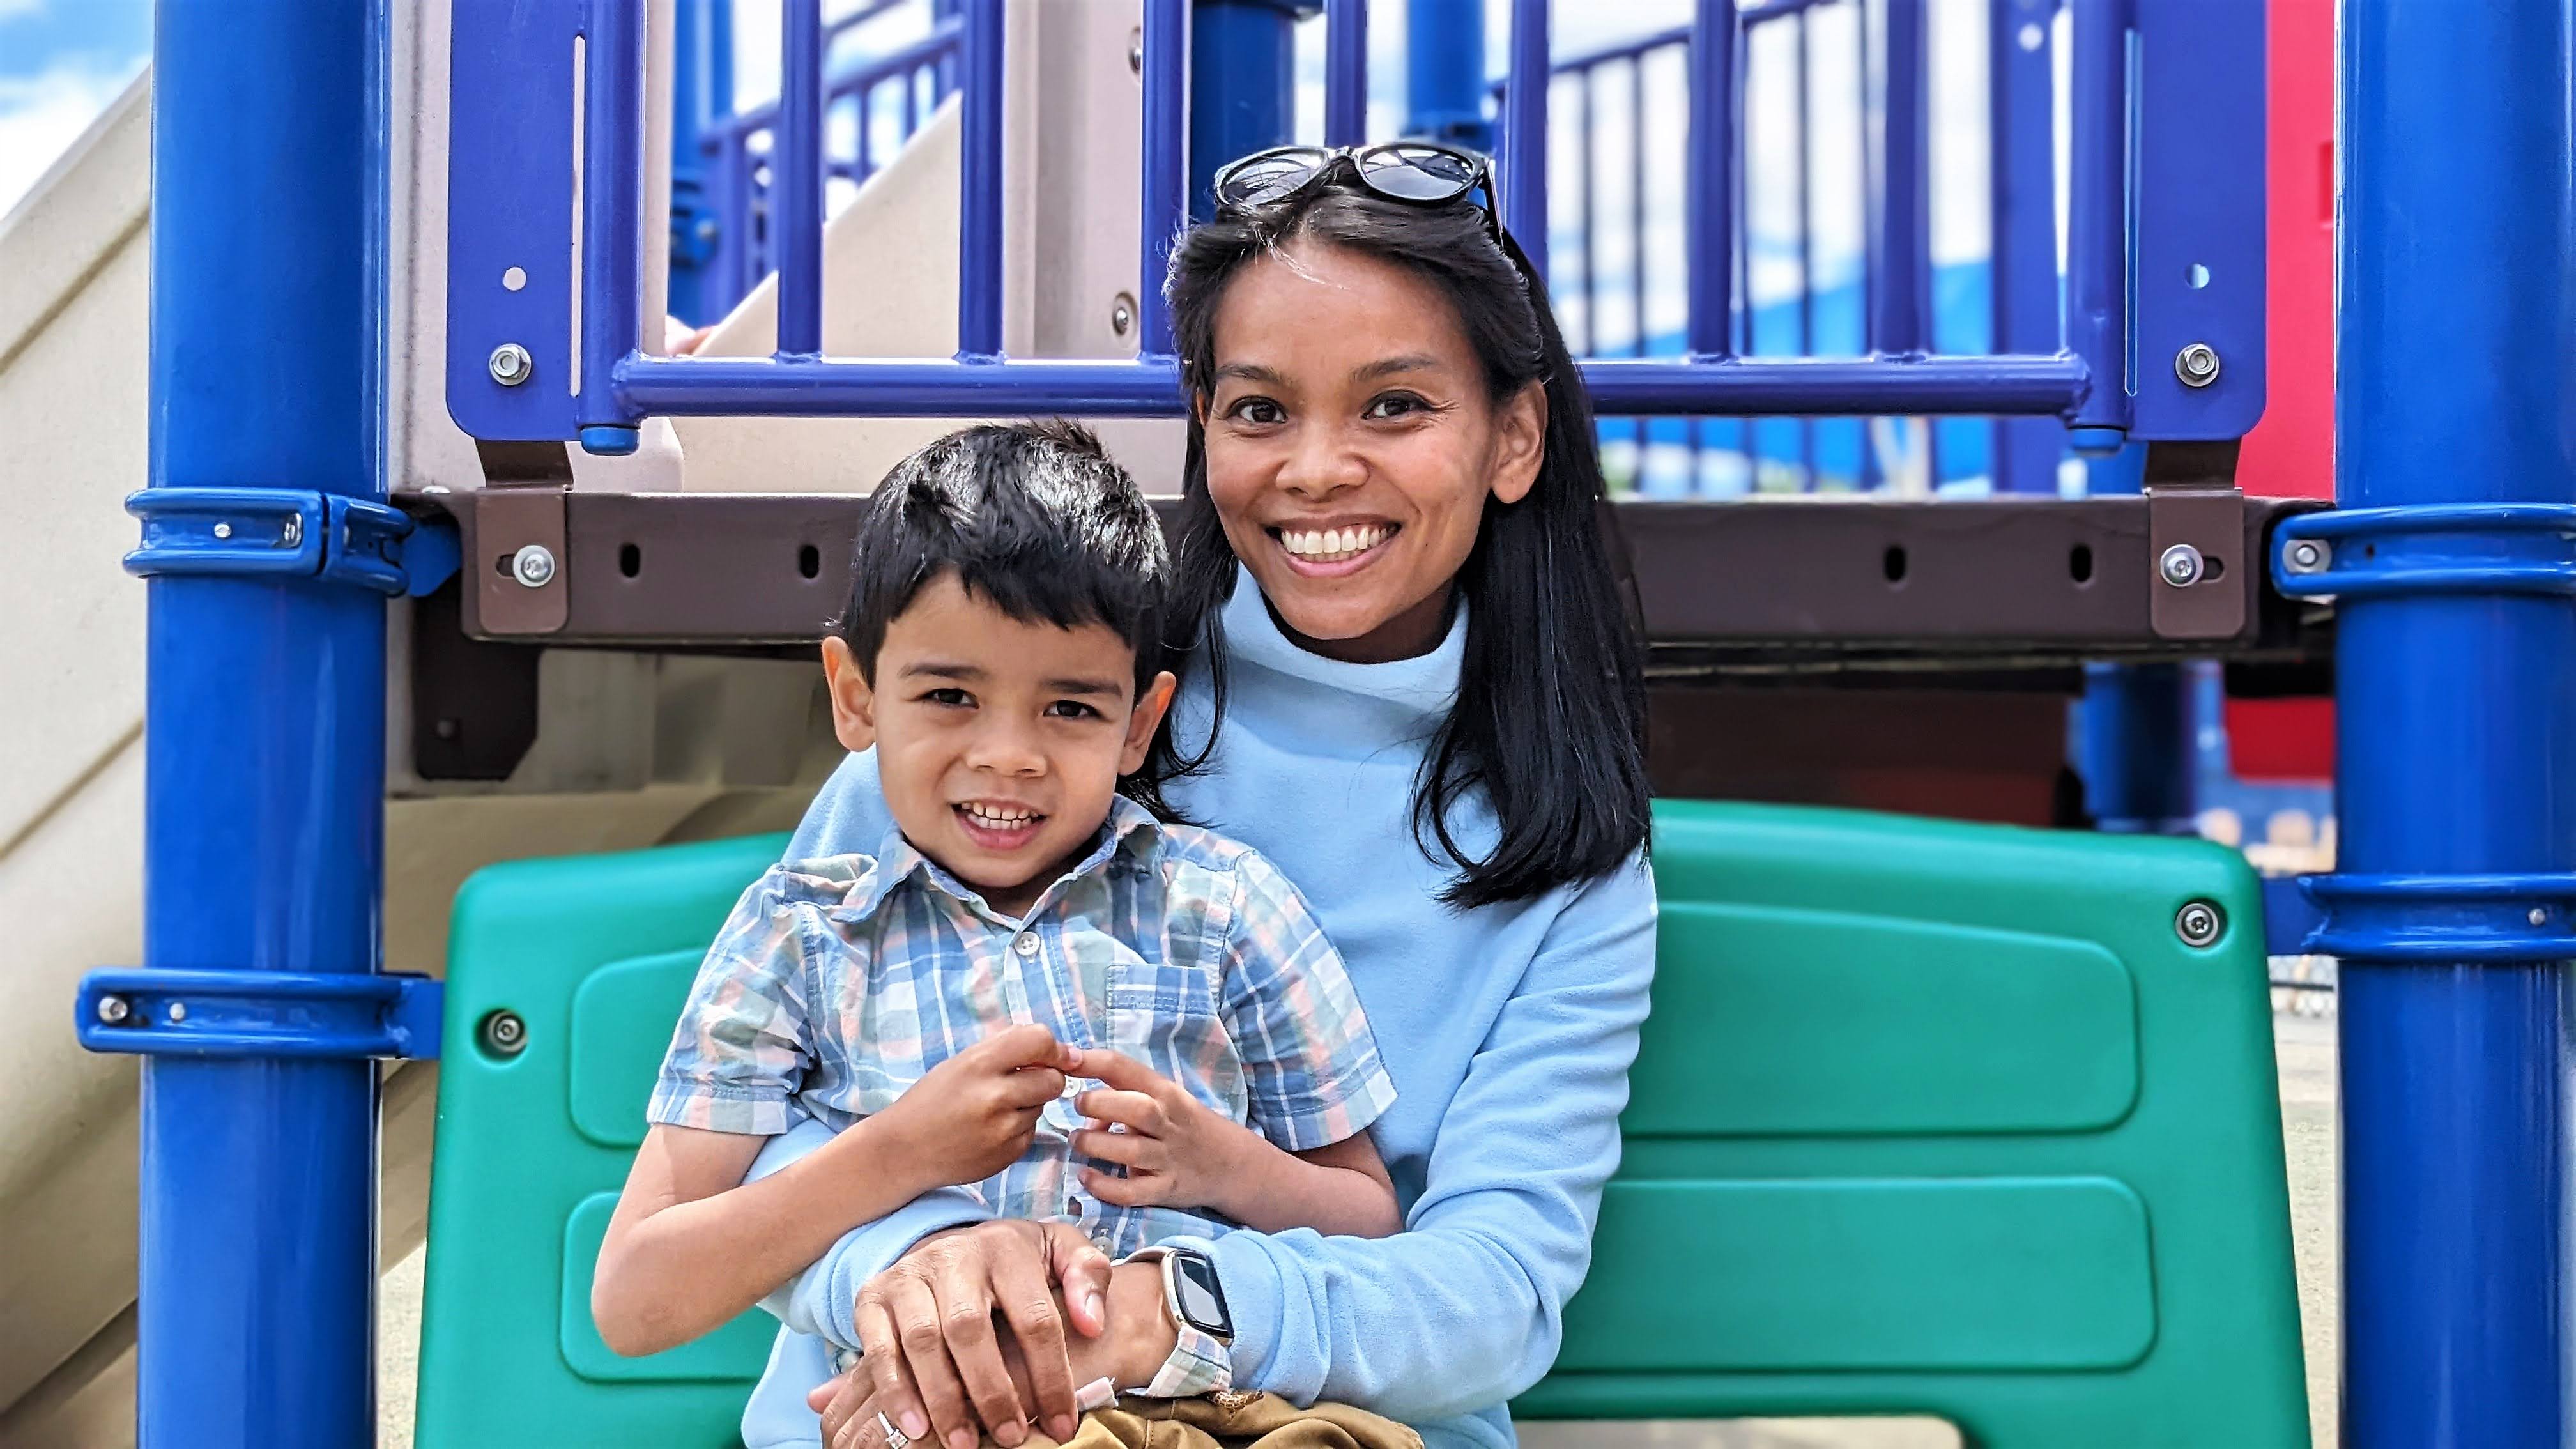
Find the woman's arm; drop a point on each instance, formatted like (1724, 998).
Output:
(1464, 1308)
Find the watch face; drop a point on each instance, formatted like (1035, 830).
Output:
(1200, 1301)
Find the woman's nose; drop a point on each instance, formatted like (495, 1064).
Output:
(1320, 465)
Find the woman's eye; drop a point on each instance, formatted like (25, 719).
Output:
(953, 698)
(1259, 411)
(1394, 405)
(1071, 709)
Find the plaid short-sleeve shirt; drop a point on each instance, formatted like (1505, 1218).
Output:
(838, 983)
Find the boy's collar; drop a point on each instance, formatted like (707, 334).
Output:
(898, 860)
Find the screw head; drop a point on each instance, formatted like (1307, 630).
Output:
(533, 566)
(504, 1034)
(114, 1010)
(2539, 916)
(178, 1011)
(2200, 923)
(1122, 314)
(2197, 365)
(1135, 52)
(223, 530)
(293, 533)
(2308, 556)
(2180, 566)
(511, 364)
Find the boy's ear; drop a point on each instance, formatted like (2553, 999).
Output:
(854, 703)
(1142, 724)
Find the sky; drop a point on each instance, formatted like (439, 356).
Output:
(61, 62)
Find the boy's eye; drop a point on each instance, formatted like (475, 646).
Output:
(952, 697)
(1072, 709)
(1258, 411)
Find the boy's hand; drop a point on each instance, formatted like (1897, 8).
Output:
(1177, 1151)
(975, 1113)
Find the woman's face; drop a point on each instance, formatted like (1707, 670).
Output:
(1351, 446)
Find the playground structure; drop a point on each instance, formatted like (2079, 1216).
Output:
(659, 581)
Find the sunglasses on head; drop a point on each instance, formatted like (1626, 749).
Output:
(1419, 172)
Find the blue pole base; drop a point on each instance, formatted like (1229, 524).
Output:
(2096, 442)
(606, 440)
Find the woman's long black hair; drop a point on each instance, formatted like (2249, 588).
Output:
(1549, 724)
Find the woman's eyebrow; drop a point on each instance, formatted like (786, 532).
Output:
(1250, 372)
(1389, 366)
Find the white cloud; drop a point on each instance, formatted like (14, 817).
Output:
(12, 9)
(42, 114)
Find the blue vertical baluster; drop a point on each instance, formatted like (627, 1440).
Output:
(796, 179)
(1243, 86)
(1166, 180)
(1585, 212)
(612, 240)
(1709, 195)
(701, 96)
(1444, 72)
(264, 722)
(1525, 133)
(1345, 72)
(1901, 243)
(2456, 355)
(2097, 225)
(979, 219)
(1644, 339)
(1806, 247)
(2024, 266)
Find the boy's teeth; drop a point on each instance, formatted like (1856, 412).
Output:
(997, 816)
(1333, 543)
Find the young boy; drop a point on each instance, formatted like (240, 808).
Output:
(939, 1003)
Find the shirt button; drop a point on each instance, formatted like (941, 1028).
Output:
(1027, 944)
(1073, 1207)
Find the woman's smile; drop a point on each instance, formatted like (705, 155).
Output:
(1333, 550)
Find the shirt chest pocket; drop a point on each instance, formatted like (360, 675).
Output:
(1166, 1016)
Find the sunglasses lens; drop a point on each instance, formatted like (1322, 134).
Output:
(1259, 180)
(1418, 173)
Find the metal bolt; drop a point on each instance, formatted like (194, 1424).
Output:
(113, 1010)
(2180, 566)
(293, 533)
(2197, 365)
(2538, 916)
(2199, 923)
(1122, 314)
(2308, 556)
(533, 566)
(223, 530)
(511, 364)
(504, 1034)
(1136, 52)
(178, 1011)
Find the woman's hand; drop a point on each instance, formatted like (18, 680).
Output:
(1130, 1336)
(1177, 1150)
(932, 1356)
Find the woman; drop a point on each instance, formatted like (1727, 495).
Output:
(1414, 687)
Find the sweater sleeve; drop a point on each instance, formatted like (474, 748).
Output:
(1464, 1309)
(848, 816)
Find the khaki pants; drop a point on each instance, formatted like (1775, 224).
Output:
(1234, 1421)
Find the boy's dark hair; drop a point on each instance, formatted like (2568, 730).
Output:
(1032, 517)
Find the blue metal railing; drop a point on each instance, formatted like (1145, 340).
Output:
(499, 200)
(745, 152)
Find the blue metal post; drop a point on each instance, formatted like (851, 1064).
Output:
(979, 220)
(2097, 226)
(2024, 275)
(264, 721)
(1524, 163)
(2134, 732)
(1709, 197)
(1345, 72)
(1900, 313)
(1444, 72)
(1166, 165)
(2456, 341)
(701, 95)
(1243, 85)
(796, 180)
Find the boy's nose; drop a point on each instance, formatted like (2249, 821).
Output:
(1006, 752)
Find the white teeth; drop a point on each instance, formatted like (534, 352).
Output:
(999, 817)
(1330, 545)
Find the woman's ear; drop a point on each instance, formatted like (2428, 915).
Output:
(1142, 723)
(854, 701)
(1520, 442)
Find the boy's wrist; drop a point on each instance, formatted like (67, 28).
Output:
(880, 1150)
(1242, 1169)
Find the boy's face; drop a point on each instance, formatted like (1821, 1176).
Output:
(1000, 742)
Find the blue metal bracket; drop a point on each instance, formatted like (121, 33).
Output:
(289, 533)
(2482, 920)
(235, 1014)
(2461, 548)
(2290, 915)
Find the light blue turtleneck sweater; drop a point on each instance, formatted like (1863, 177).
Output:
(1509, 1030)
